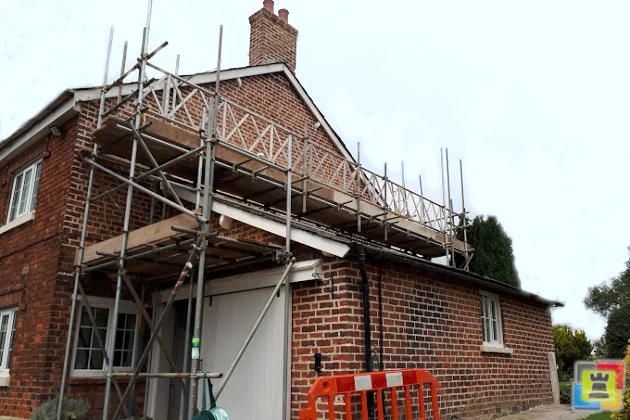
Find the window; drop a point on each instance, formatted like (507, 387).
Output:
(24, 192)
(491, 320)
(7, 329)
(88, 357)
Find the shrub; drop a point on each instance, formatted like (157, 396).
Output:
(72, 409)
(565, 392)
(624, 414)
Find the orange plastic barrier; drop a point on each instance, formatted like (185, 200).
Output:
(362, 383)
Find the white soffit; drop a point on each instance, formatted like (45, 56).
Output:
(301, 236)
(301, 271)
(309, 239)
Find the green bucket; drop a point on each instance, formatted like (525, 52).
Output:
(215, 413)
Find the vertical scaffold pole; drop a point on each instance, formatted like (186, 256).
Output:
(127, 217)
(182, 406)
(422, 211)
(122, 71)
(444, 221)
(86, 213)
(205, 228)
(464, 217)
(450, 211)
(386, 187)
(358, 187)
(287, 288)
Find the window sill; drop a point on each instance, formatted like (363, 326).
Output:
(17, 222)
(495, 349)
(4, 379)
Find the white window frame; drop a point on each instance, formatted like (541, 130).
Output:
(29, 207)
(491, 298)
(125, 307)
(4, 361)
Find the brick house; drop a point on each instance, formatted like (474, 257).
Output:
(488, 344)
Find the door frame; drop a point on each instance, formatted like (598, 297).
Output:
(301, 271)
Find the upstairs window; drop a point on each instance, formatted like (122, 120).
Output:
(24, 191)
(7, 329)
(491, 320)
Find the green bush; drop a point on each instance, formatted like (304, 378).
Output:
(564, 376)
(72, 409)
(624, 414)
(565, 392)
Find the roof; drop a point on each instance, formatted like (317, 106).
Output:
(459, 274)
(33, 129)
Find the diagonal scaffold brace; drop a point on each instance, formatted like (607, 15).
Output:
(199, 247)
(148, 319)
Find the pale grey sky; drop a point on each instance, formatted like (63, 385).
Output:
(532, 95)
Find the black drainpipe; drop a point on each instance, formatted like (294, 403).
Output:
(380, 315)
(365, 288)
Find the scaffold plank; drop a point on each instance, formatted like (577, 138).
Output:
(139, 237)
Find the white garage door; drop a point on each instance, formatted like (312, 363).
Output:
(255, 389)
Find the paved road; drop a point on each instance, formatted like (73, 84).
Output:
(547, 412)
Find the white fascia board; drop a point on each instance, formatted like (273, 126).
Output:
(301, 271)
(205, 78)
(61, 114)
(198, 79)
(320, 118)
(309, 239)
(301, 236)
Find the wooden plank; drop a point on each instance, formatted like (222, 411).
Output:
(405, 224)
(170, 133)
(109, 132)
(145, 235)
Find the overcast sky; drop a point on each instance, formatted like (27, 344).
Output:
(532, 95)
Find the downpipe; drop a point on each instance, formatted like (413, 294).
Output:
(365, 290)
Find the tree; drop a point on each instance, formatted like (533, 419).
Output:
(493, 256)
(624, 414)
(605, 298)
(618, 332)
(612, 300)
(571, 345)
(600, 349)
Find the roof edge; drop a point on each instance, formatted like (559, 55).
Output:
(466, 276)
(58, 111)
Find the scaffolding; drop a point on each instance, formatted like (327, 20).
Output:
(187, 147)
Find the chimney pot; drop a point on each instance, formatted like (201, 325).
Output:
(283, 14)
(268, 4)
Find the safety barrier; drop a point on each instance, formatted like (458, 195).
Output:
(364, 383)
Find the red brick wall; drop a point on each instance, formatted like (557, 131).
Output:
(430, 323)
(28, 272)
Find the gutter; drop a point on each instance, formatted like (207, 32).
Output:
(465, 277)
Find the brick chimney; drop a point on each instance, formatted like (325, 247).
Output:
(271, 38)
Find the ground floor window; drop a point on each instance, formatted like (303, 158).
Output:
(89, 358)
(492, 328)
(7, 330)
